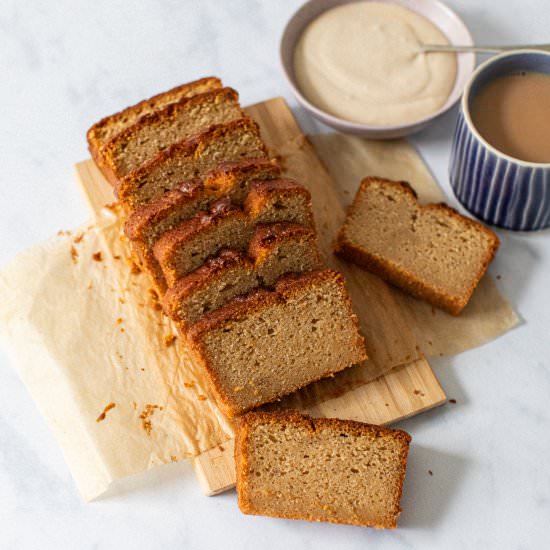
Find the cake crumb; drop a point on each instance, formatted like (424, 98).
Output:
(453, 401)
(97, 256)
(430, 472)
(107, 408)
(173, 458)
(74, 254)
(169, 340)
(78, 238)
(221, 448)
(145, 417)
(418, 392)
(499, 277)
(119, 320)
(189, 384)
(116, 257)
(122, 329)
(121, 300)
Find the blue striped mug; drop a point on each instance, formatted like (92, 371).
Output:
(495, 187)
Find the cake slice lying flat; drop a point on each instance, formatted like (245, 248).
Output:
(275, 249)
(190, 159)
(156, 131)
(296, 467)
(101, 132)
(431, 252)
(267, 344)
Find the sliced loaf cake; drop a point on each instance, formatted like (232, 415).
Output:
(156, 131)
(320, 469)
(275, 249)
(148, 222)
(190, 159)
(101, 132)
(431, 252)
(187, 246)
(267, 344)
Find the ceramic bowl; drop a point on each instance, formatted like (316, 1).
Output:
(435, 11)
(495, 187)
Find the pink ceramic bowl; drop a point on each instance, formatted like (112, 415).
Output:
(439, 14)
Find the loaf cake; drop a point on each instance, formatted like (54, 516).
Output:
(156, 131)
(187, 246)
(431, 252)
(274, 250)
(267, 344)
(320, 469)
(148, 222)
(190, 159)
(101, 132)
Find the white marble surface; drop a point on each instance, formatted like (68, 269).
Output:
(66, 63)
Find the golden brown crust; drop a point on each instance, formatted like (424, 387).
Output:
(107, 152)
(96, 132)
(397, 275)
(186, 149)
(245, 424)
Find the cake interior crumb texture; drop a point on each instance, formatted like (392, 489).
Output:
(431, 251)
(292, 466)
(140, 143)
(269, 344)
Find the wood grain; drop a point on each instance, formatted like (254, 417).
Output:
(397, 382)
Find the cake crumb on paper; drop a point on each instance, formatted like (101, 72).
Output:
(97, 256)
(107, 408)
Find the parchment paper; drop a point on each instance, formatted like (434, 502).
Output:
(109, 372)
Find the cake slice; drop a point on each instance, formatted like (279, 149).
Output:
(147, 223)
(190, 159)
(275, 249)
(431, 252)
(267, 344)
(101, 132)
(320, 469)
(156, 131)
(187, 246)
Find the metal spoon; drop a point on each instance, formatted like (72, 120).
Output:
(488, 49)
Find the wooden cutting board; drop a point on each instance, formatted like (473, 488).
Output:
(400, 391)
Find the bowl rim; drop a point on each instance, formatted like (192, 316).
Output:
(358, 126)
(466, 110)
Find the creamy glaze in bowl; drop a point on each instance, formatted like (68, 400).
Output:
(432, 10)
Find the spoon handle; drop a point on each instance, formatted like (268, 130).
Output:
(481, 49)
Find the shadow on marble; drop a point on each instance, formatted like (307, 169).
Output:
(432, 481)
(153, 480)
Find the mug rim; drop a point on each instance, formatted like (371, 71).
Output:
(466, 110)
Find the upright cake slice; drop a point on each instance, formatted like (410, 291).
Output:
(101, 132)
(320, 469)
(267, 344)
(156, 131)
(432, 251)
(187, 246)
(147, 223)
(190, 159)
(275, 249)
